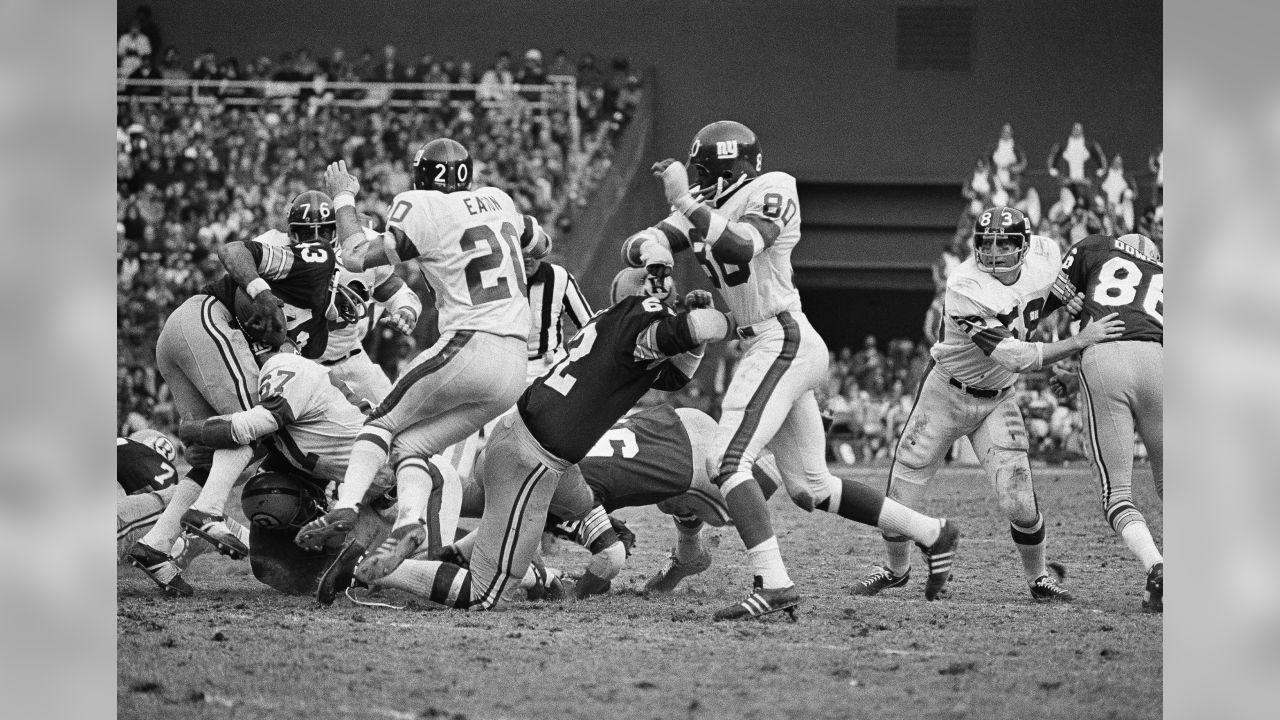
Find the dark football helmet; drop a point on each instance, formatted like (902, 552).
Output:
(725, 156)
(1001, 238)
(311, 217)
(443, 165)
(274, 501)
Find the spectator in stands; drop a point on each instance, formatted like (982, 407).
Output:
(418, 72)
(148, 26)
(205, 66)
(1008, 160)
(305, 67)
(560, 64)
(133, 50)
(531, 71)
(1156, 163)
(496, 82)
(979, 187)
(388, 69)
(1117, 192)
(867, 363)
(171, 67)
(1081, 157)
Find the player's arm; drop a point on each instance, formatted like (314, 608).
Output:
(362, 248)
(575, 303)
(403, 305)
(681, 339)
(1016, 355)
(272, 413)
(671, 235)
(734, 242)
(249, 263)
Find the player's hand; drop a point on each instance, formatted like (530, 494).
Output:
(338, 180)
(1065, 291)
(674, 177)
(1053, 172)
(1064, 383)
(402, 321)
(698, 299)
(268, 314)
(1075, 304)
(1108, 327)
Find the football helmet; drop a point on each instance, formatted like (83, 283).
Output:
(311, 217)
(725, 156)
(274, 500)
(1001, 226)
(349, 302)
(653, 280)
(157, 441)
(443, 165)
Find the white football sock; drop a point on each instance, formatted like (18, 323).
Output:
(228, 463)
(898, 519)
(1138, 537)
(766, 561)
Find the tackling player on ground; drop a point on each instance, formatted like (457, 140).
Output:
(741, 226)
(1123, 383)
(994, 300)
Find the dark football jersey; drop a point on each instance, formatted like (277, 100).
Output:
(301, 276)
(643, 459)
(1115, 277)
(599, 378)
(140, 469)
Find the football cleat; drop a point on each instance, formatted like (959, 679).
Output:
(882, 579)
(214, 529)
(761, 602)
(1046, 589)
(161, 568)
(400, 544)
(340, 574)
(334, 524)
(673, 571)
(940, 556)
(1153, 593)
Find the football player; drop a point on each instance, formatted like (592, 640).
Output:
(1122, 380)
(657, 456)
(209, 367)
(741, 225)
(994, 300)
(470, 246)
(376, 295)
(145, 482)
(637, 344)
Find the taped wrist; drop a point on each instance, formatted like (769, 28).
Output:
(344, 199)
(256, 287)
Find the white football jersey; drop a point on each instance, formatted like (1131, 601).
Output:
(762, 288)
(979, 312)
(343, 336)
(467, 244)
(317, 423)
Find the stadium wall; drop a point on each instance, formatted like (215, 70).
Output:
(818, 81)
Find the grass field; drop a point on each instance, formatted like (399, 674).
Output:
(240, 650)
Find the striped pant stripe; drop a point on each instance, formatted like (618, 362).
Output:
(507, 551)
(755, 407)
(425, 369)
(227, 351)
(1091, 414)
(434, 539)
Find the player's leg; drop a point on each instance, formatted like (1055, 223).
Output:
(361, 379)
(1112, 379)
(135, 514)
(1001, 443)
(573, 501)
(937, 418)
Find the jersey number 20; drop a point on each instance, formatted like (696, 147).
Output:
(499, 288)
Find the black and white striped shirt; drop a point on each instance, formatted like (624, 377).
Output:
(553, 293)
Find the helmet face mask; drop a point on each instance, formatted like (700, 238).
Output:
(655, 281)
(443, 165)
(312, 218)
(724, 156)
(1001, 239)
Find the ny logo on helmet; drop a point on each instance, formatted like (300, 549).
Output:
(727, 149)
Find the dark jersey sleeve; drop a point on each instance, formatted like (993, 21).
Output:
(1116, 279)
(140, 469)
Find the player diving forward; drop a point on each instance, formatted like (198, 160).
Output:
(637, 344)
(994, 300)
(741, 226)
(469, 245)
(1122, 380)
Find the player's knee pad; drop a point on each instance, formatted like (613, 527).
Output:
(1122, 512)
(274, 500)
(608, 561)
(1014, 491)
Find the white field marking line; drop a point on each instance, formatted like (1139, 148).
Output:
(261, 704)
